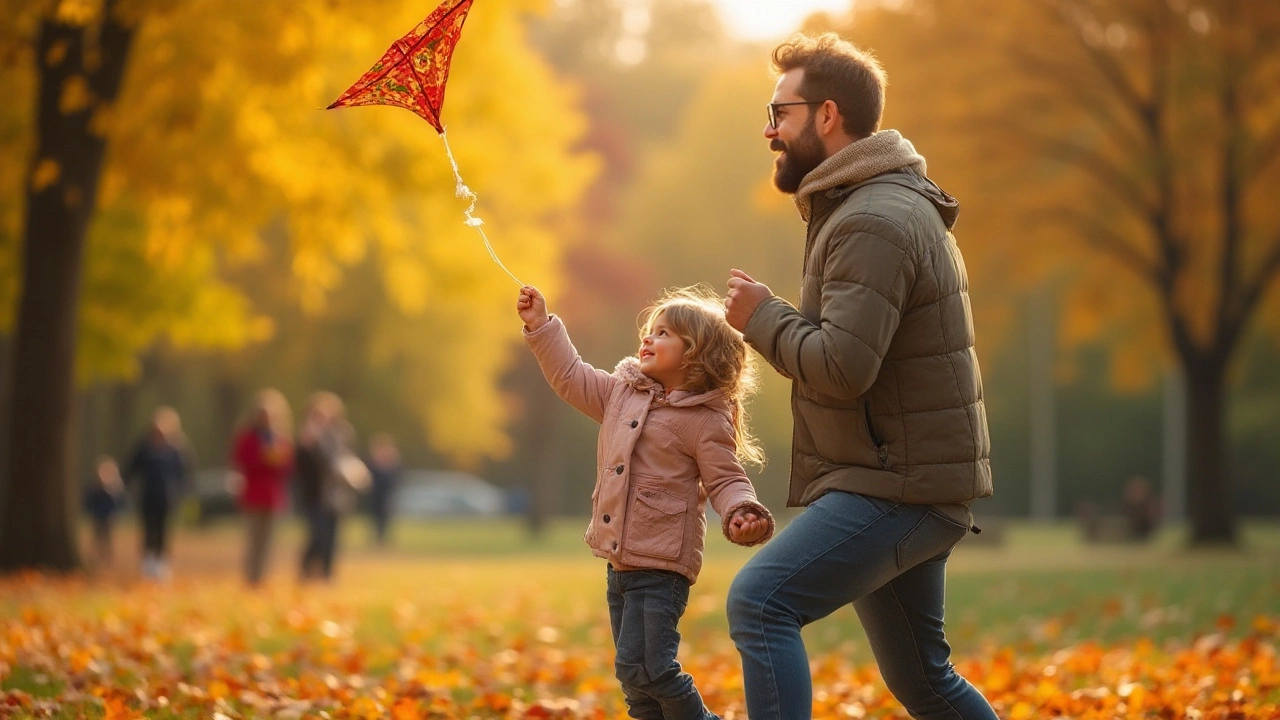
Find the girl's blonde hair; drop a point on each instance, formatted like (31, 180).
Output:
(716, 357)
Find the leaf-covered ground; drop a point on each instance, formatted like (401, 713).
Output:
(433, 631)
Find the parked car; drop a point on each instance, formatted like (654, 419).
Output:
(436, 493)
(215, 491)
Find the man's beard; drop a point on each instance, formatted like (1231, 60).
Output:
(799, 158)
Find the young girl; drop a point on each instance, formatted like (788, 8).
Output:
(672, 432)
(104, 500)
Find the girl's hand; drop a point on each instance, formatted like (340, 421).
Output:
(746, 527)
(532, 307)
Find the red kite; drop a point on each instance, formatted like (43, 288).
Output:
(413, 72)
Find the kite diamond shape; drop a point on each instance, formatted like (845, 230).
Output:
(413, 71)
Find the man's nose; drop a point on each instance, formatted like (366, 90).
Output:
(770, 131)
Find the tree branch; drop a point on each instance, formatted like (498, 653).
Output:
(1112, 176)
(1107, 66)
(1264, 153)
(1255, 288)
(1260, 75)
(1101, 237)
(1068, 84)
(1228, 102)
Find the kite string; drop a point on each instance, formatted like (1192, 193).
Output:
(464, 192)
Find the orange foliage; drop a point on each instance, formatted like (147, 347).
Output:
(124, 659)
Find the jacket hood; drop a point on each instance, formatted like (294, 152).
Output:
(866, 159)
(628, 370)
(948, 207)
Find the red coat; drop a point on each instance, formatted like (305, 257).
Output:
(266, 472)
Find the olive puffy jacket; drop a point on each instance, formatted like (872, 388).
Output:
(887, 394)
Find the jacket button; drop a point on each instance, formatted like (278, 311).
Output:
(618, 470)
(606, 519)
(635, 423)
(615, 544)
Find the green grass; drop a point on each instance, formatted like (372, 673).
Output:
(1041, 587)
(457, 590)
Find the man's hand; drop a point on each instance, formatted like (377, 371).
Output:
(532, 307)
(746, 527)
(745, 295)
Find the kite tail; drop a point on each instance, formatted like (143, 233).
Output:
(464, 192)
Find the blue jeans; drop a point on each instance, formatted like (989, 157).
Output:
(888, 559)
(155, 526)
(644, 607)
(321, 544)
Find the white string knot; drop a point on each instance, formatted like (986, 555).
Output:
(463, 192)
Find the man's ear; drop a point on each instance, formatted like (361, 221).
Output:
(829, 118)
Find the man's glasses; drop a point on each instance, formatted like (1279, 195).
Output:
(772, 108)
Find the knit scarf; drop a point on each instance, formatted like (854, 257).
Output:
(861, 160)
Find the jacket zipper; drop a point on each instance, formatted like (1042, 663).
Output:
(882, 450)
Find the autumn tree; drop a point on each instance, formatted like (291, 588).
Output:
(1175, 130)
(167, 137)
(1128, 147)
(81, 74)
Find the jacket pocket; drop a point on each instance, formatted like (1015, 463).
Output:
(932, 536)
(832, 432)
(656, 524)
(882, 449)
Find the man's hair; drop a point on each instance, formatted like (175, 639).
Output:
(836, 69)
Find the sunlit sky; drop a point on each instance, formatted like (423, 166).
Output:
(771, 19)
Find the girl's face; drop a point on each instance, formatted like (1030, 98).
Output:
(662, 354)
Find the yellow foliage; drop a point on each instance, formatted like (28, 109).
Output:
(46, 173)
(219, 136)
(1055, 173)
(76, 95)
(78, 12)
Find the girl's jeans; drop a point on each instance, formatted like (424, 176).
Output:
(889, 560)
(644, 607)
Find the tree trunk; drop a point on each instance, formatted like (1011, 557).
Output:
(6, 346)
(1210, 496)
(38, 525)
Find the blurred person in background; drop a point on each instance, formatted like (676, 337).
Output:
(384, 471)
(328, 477)
(262, 454)
(103, 501)
(890, 444)
(1142, 508)
(160, 467)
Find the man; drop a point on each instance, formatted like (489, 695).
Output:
(890, 443)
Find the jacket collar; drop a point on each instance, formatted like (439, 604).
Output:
(628, 370)
(858, 161)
